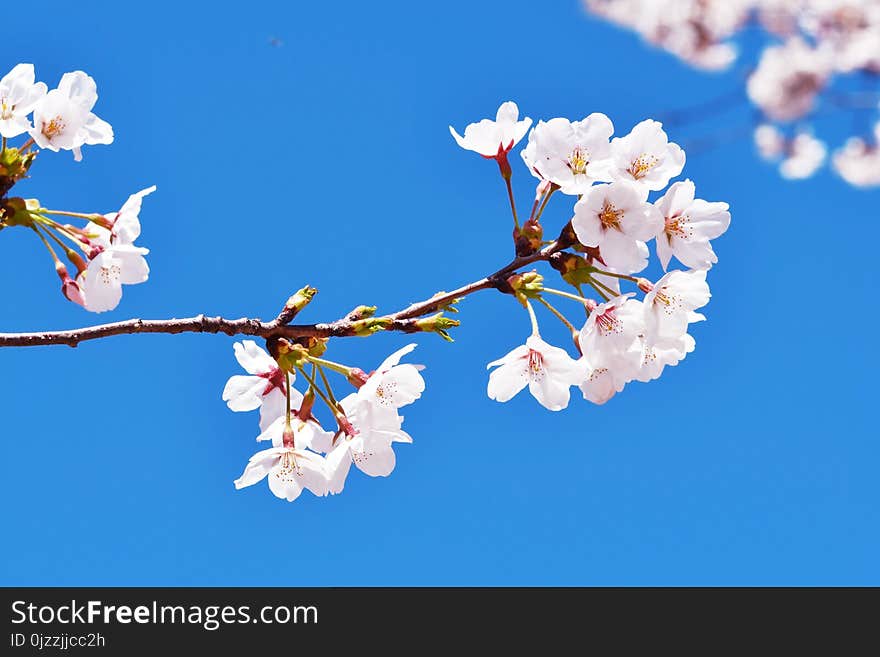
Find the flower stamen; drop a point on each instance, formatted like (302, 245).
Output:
(53, 128)
(678, 227)
(578, 161)
(642, 165)
(610, 216)
(607, 323)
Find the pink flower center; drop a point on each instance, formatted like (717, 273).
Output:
(275, 379)
(607, 323)
(536, 362)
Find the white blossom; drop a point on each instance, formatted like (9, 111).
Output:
(289, 470)
(63, 118)
(609, 338)
(19, 95)
(688, 226)
(126, 222)
(393, 385)
(548, 371)
(601, 383)
(264, 387)
(82, 90)
(57, 122)
(369, 447)
(656, 356)
(646, 157)
(493, 138)
(670, 305)
(616, 218)
(571, 154)
(115, 260)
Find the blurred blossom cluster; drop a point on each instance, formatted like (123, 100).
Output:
(808, 47)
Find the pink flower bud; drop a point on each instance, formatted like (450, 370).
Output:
(69, 287)
(346, 425)
(77, 261)
(308, 402)
(645, 285)
(104, 221)
(357, 377)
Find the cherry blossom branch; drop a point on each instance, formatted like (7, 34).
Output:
(406, 320)
(496, 280)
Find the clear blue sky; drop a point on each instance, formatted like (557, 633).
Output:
(327, 161)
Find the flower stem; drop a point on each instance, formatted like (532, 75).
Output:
(599, 290)
(327, 385)
(46, 244)
(67, 250)
(625, 277)
(287, 393)
(535, 207)
(532, 317)
(544, 203)
(25, 145)
(333, 407)
(558, 314)
(330, 365)
(512, 203)
(567, 295)
(68, 231)
(63, 213)
(604, 287)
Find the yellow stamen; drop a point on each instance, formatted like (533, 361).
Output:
(54, 128)
(578, 161)
(610, 216)
(642, 165)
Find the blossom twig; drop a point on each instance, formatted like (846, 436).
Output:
(404, 320)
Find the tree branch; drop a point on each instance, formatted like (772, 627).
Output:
(403, 320)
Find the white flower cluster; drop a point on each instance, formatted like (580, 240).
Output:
(103, 251)
(810, 42)
(304, 455)
(62, 118)
(113, 258)
(623, 339)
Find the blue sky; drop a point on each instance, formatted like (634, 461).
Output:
(327, 161)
